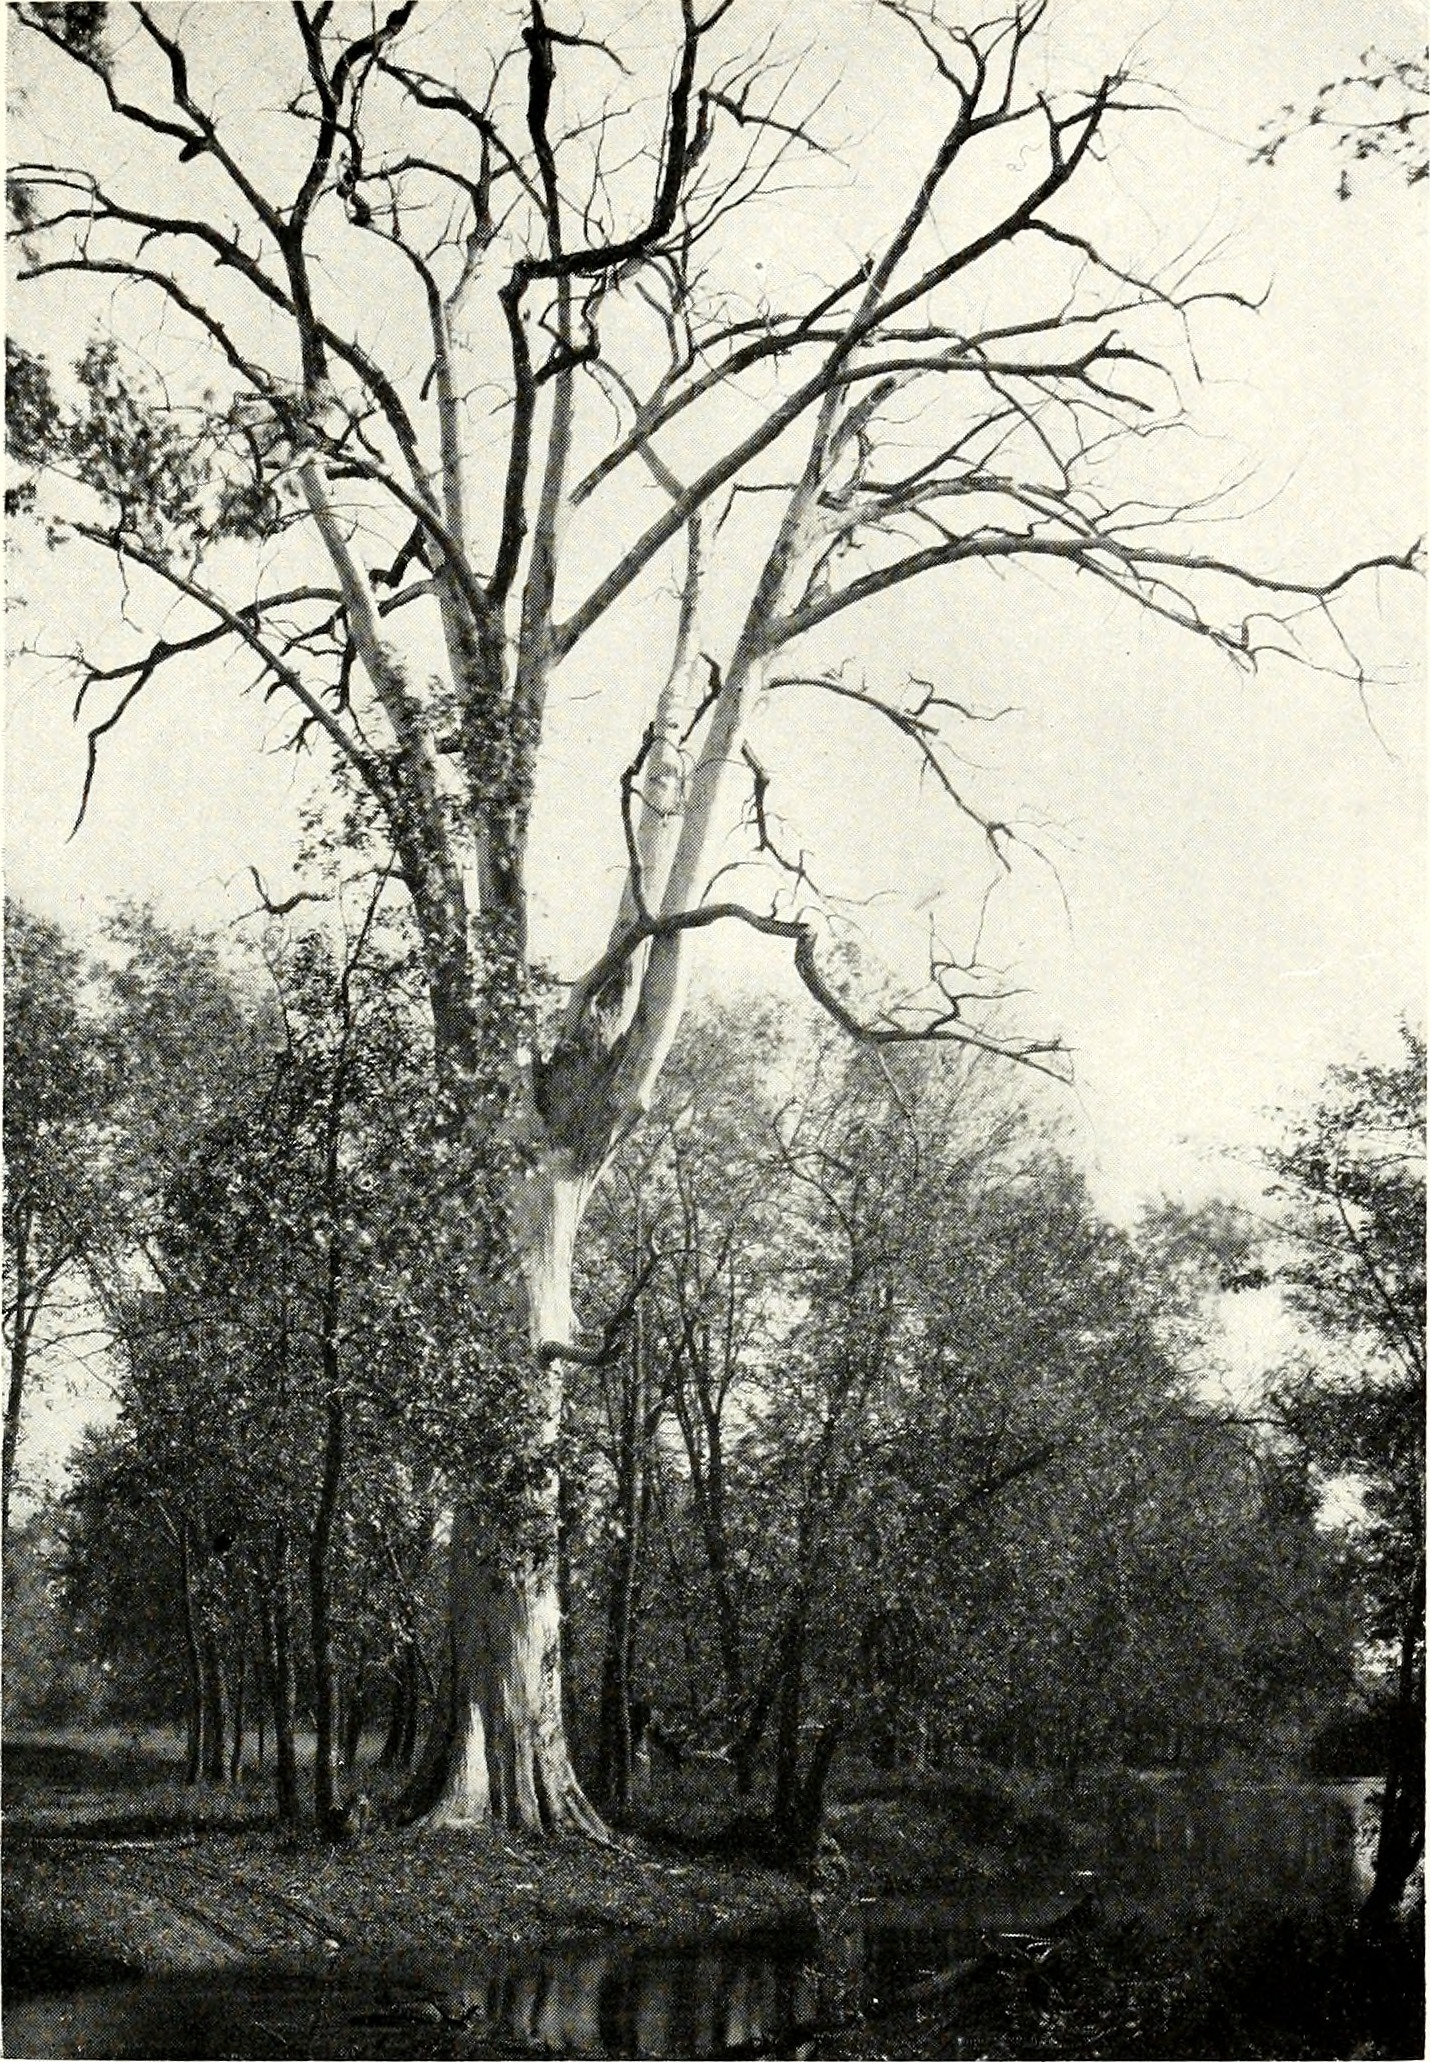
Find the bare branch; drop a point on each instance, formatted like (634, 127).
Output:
(243, 625)
(1107, 557)
(289, 902)
(941, 1026)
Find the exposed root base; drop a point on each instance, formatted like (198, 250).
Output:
(435, 1803)
(448, 1822)
(444, 1818)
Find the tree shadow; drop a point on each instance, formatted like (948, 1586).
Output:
(35, 1767)
(113, 1786)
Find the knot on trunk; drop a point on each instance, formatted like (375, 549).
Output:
(572, 1089)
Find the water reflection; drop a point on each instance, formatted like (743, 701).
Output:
(671, 1999)
(1170, 1843)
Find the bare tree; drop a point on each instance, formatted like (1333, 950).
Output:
(449, 366)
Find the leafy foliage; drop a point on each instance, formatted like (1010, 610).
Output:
(1350, 1185)
(1378, 111)
(922, 1462)
(56, 1204)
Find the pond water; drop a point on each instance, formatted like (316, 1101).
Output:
(1161, 1844)
(1171, 1843)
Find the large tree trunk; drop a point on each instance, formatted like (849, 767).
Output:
(501, 1754)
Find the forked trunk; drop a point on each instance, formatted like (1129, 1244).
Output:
(502, 1755)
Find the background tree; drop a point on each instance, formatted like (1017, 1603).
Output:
(928, 1472)
(1158, 1594)
(270, 1346)
(311, 505)
(696, 1223)
(53, 1673)
(136, 1601)
(1349, 1188)
(1064, 1542)
(54, 1115)
(182, 1037)
(181, 1043)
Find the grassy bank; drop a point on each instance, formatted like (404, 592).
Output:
(113, 1869)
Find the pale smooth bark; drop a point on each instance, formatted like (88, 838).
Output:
(503, 1753)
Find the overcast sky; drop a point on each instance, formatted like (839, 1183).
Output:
(1239, 861)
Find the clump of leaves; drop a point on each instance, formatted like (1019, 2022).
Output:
(31, 411)
(166, 477)
(80, 25)
(1377, 111)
